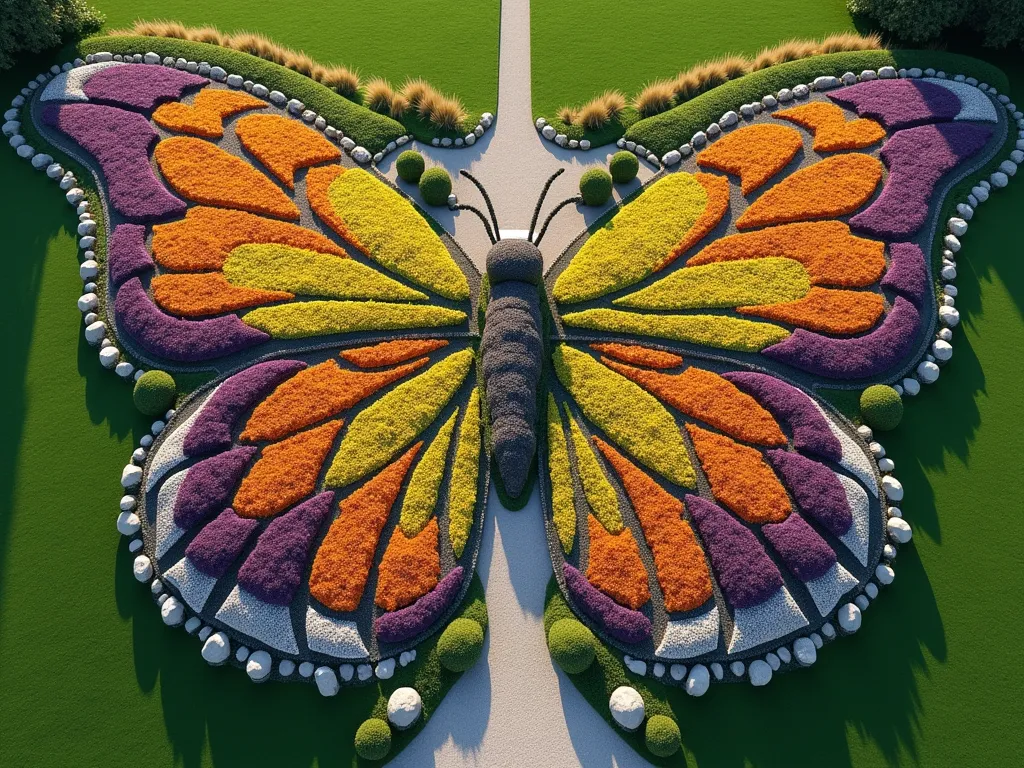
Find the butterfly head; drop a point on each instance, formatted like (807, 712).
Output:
(514, 260)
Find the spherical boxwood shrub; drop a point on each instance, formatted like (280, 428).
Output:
(460, 644)
(596, 186)
(435, 186)
(373, 739)
(881, 407)
(154, 392)
(662, 735)
(410, 166)
(624, 167)
(572, 645)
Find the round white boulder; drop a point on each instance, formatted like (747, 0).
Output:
(949, 316)
(259, 666)
(128, 523)
(760, 673)
(677, 671)
(928, 372)
(699, 680)
(899, 530)
(885, 574)
(216, 649)
(892, 487)
(404, 707)
(804, 651)
(326, 681)
(172, 612)
(849, 618)
(942, 350)
(626, 705)
(142, 568)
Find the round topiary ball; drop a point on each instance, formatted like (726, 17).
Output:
(624, 167)
(410, 166)
(881, 407)
(662, 735)
(596, 186)
(572, 645)
(460, 644)
(373, 739)
(154, 392)
(435, 186)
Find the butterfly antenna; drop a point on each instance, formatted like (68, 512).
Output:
(487, 200)
(479, 213)
(540, 201)
(557, 208)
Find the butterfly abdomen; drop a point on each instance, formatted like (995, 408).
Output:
(512, 348)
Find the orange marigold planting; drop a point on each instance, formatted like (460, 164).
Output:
(316, 394)
(740, 478)
(391, 352)
(409, 569)
(829, 253)
(206, 236)
(205, 173)
(678, 559)
(707, 396)
(639, 355)
(826, 310)
(205, 116)
(342, 564)
(615, 566)
(831, 187)
(755, 153)
(284, 145)
(717, 188)
(285, 473)
(207, 293)
(831, 130)
(318, 181)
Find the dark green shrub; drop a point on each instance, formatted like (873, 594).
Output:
(154, 392)
(881, 407)
(460, 644)
(662, 735)
(624, 167)
(572, 645)
(35, 25)
(410, 166)
(1000, 22)
(596, 186)
(373, 739)
(435, 186)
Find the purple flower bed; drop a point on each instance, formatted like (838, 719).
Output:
(745, 573)
(627, 626)
(803, 551)
(899, 103)
(274, 569)
(120, 141)
(140, 87)
(907, 274)
(186, 341)
(815, 488)
(409, 622)
(810, 429)
(857, 358)
(126, 253)
(222, 540)
(917, 159)
(211, 431)
(209, 484)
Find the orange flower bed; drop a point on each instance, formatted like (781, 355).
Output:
(315, 394)
(678, 559)
(615, 567)
(826, 310)
(409, 569)
(318, 181)
(285, 473)
(831, 187)
(205, 173)
(639, 355)
(829, 253)
(755, 153)
(391, 352)
(717, 188)
(284, 145)
(206, 236)
(207, 293)
(740, 478)
(342, 564)
(831, 130)
(205, 116)
(707, 396)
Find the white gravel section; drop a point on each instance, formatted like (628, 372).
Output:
(854, 459)
(693, 636)
(167, 533)
(856, 539)
(171, 451)
(975, 105)
(777, 616)
(333, 637)
(270, 624)
(829, 587)
(194, 585)
(67, 86)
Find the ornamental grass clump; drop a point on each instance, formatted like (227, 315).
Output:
(435, 186)
(596, 186)
(373, 739)
(460, 644)
(410, 166)
(568, 115)
(572, 645)
(655, 98)
(378, 95)
(881, 407)
(154, 392)
(624, 167)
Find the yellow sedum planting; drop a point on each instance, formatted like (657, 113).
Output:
(599, 492)
(631, 246)
(632, 418)
(462, 491)
(387, 426)
(394, 234)
(709, 330)
(563, 508)
(323, 318)
(308, 273)
(421, 494)
(725, 284)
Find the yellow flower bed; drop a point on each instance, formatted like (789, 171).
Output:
(421, 495)
(324, 318)
(563, 509)
(599, 492)
(465, 474)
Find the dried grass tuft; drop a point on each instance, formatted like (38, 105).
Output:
(655, 98)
